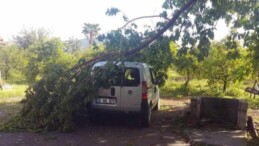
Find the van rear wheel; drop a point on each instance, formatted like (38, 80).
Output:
(157, 106)
(91, 115)
(146, 117)
(92, 118)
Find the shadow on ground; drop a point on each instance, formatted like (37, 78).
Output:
(120, 130)
(110, 130)
(8, 110)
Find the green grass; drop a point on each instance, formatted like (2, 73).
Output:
(174, 87)
(14, 91)
(10, 101)
(198, 88)
(165, 107)
(16, 77)
(9, 110)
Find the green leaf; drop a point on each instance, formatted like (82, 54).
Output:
(112, 11)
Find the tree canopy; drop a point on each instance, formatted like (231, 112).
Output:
(222, 67)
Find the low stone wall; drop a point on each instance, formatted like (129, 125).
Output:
(231, 111)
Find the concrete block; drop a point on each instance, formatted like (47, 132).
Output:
(217, 137)
(242, 114)
(195, 109)
(230, 111)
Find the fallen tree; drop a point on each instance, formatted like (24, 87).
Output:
(58, 101)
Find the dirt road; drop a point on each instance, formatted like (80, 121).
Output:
(121, 131)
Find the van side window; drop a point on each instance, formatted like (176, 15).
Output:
(153, 77)
(131, 77)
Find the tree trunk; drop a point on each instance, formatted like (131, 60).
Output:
(186, 84)
(6, 75)
(91, 38)
(225, 86)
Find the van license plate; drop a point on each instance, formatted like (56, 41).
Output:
(105, 101)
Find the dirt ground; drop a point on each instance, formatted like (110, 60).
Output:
(117, 130)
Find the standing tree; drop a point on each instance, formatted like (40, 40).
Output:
(11, 59)
(42, 55)
(27, 37)
(72, 45)
(224, 67)
(253, 48)
(91, 31)
(186, 64)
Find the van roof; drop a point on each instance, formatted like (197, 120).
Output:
(126, 63)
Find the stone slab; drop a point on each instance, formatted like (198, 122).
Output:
(217, 137)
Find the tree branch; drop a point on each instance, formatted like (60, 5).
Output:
(142, 17)
(189, 4)
(160, 32)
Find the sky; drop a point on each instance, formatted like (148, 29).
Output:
(65, 18)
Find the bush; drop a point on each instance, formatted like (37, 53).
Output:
(54, 103)
(59, 100)
(235, 92)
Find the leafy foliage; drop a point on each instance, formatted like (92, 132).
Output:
(220, 67)
(59, 100)
(72, 45)
(91, 31)
(196, 28)
(11, 60)
(43, 55)
(50, 106)
(158, 54)
(112, 11)
(186, 64)
(27, 37)
(254, 53)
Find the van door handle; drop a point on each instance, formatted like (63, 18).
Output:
(112, 91)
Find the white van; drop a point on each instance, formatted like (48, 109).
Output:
(135, 92)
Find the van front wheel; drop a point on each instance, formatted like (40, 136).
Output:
(146, 117)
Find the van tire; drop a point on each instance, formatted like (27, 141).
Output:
(92, 116)
(157, 106)
(146, 119)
